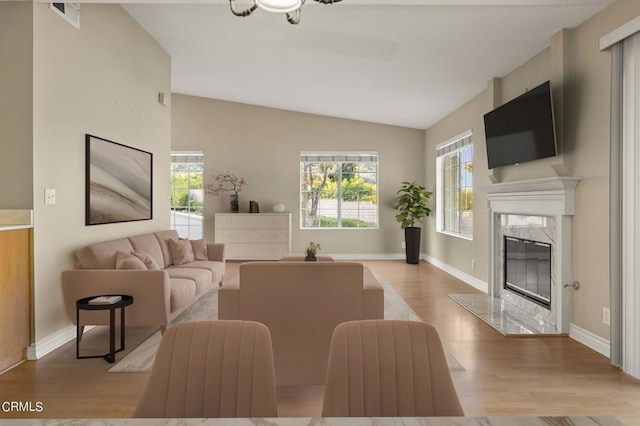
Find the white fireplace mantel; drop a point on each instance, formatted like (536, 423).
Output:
(549, 197)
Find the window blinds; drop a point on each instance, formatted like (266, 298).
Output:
(454, 144)
(187, 157)
(348, 157)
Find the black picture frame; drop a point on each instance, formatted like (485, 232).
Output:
(118, 182)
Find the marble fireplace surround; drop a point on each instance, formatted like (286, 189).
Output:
(539, 210)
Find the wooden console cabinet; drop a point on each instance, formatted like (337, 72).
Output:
(254, 236)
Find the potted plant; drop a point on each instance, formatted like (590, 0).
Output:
(411, 203)
(311, 251)
(227, 182)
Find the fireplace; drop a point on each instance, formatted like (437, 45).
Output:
(530, 247)
(527, 269)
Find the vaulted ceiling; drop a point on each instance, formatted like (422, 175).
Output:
(405, 63)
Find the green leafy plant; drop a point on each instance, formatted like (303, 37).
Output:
(411, 203)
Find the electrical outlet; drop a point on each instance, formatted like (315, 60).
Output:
(473, 264)
(404, 245)
(606, 316)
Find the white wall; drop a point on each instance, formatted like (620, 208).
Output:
(103, 80)
(16, 102)
(263, 146)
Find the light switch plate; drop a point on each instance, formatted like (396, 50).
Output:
(49, 196)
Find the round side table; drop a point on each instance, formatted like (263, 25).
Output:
(84, 305)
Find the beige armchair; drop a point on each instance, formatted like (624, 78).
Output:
(212, 369)
(388, 369)
(301, 303)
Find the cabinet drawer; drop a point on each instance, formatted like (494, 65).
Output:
(252, 236)
(252, 221)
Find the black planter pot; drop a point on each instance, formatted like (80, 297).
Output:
(412, 244)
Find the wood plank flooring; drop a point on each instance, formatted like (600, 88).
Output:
(546, 376)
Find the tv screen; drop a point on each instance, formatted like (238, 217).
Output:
(522, 129)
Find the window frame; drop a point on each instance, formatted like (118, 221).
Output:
(191, 156)
(450, 147)
(339, 190)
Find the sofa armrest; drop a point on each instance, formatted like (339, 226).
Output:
(372, 297)
(229, 299)
(216, 252)
(150, 291)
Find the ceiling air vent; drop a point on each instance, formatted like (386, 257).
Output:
(69, 11)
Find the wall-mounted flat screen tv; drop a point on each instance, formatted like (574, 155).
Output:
(522, 129)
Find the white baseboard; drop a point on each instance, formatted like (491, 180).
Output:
(590, 340)
(368, 256)
(472, 281)
(41, 348)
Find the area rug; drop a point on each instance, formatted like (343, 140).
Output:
(141, 359)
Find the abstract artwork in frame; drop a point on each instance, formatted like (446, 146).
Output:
(118, 182)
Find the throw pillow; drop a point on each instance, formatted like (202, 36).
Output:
(146, 259)
(181, 251)
(128, 261)
(199, 248)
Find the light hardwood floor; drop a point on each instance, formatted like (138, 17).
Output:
(545, 376)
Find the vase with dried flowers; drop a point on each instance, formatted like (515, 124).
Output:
(311, 251)
(227, 182)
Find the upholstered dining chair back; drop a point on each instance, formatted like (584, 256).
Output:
(381, 368)
(212, 369)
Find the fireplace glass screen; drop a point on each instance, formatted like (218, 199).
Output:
(527, 269)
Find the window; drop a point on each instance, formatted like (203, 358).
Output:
(338, 190)
(454, 178)
(187, 194)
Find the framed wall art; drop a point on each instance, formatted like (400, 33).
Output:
(118, 182)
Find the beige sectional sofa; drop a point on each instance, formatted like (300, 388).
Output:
(159, 294)
(301, 303)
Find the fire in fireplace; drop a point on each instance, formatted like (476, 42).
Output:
(527, 269)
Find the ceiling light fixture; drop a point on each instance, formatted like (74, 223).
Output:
(291, 8)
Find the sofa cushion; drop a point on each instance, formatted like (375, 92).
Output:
(148, 243)
(182, 292)
(163, 238)
(199, 248)
(146, 258)
(102, 255)
(202, 277)
(128, 261)
(216, 268)
(181, 251)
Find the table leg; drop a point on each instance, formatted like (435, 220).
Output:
(122, 328)
(112, 336)
(77, 333)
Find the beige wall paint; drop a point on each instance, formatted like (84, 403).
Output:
(104, 80)
(590, 159)
(263, 146)
(535, 71)
(454, 251)
(16, 105)
(574, 64)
